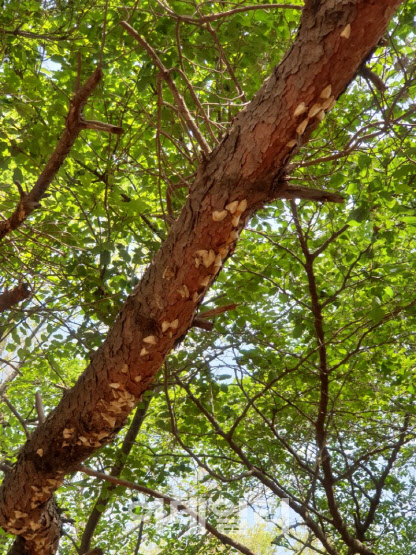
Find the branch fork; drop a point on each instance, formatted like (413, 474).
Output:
(74, 125)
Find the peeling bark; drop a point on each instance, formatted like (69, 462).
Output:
(243, 173)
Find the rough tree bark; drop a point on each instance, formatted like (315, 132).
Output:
(247, 170)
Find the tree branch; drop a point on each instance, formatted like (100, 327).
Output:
(222, 15)
(39, 407)
(377, 81)
(242, 173)
(37, 36)
(104, 497)
(170, 501)
(296, 505)
(17, 415)
(324, 460)
(218, 310)
(307, 193)
(101, 126)
(375, 500)
(13, 296)
(180, 101)
(74, 124)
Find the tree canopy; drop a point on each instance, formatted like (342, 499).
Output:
(232, 260)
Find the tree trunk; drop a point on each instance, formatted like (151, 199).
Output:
(243, 173)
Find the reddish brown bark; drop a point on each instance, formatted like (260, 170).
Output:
(245, 171)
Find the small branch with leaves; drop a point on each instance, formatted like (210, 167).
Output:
(75, 123)
(166, 499)
(222, 15)
(180, 101)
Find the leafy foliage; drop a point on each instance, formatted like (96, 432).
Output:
(326, 293)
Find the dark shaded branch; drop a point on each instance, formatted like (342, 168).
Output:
(321, 420)
(101, 126)
(4, 467)
(104, 496)
(297, 191)
(373, 77)
(202, 324)
(17, 415)
(13, 296)
(139, 537)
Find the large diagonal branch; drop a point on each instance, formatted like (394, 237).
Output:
(242, 174)
(74, 125)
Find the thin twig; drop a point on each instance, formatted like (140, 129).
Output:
(216, 16)
(104, 34)
(180, 101)
(79, 69)
(226, 540)
(17, 415)
(229, 67)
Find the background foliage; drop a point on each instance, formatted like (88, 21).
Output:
(301, 270)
